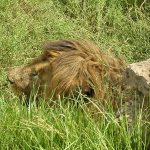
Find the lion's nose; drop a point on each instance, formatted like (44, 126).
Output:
(10, 81)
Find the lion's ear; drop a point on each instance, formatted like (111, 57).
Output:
(50, 54)
(59, 45)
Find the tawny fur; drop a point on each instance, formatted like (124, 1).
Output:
(67, 66)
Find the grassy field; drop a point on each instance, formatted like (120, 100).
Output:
(123, 26)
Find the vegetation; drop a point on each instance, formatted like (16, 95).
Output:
(122, 26)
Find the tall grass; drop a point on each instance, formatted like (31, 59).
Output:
(65, 127)
(122, 26)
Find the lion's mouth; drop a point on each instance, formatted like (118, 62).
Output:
(10, 81)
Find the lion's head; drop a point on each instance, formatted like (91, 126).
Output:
(67, 66)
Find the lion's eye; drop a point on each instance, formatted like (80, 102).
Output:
(34, 73)
(89, 92)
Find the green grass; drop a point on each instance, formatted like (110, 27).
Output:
(121, 25)
(65, 127)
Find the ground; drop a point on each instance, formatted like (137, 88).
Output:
(122, 27)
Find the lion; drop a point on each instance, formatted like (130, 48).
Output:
(66, 67)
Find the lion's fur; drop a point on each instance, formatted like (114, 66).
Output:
(68, 65)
